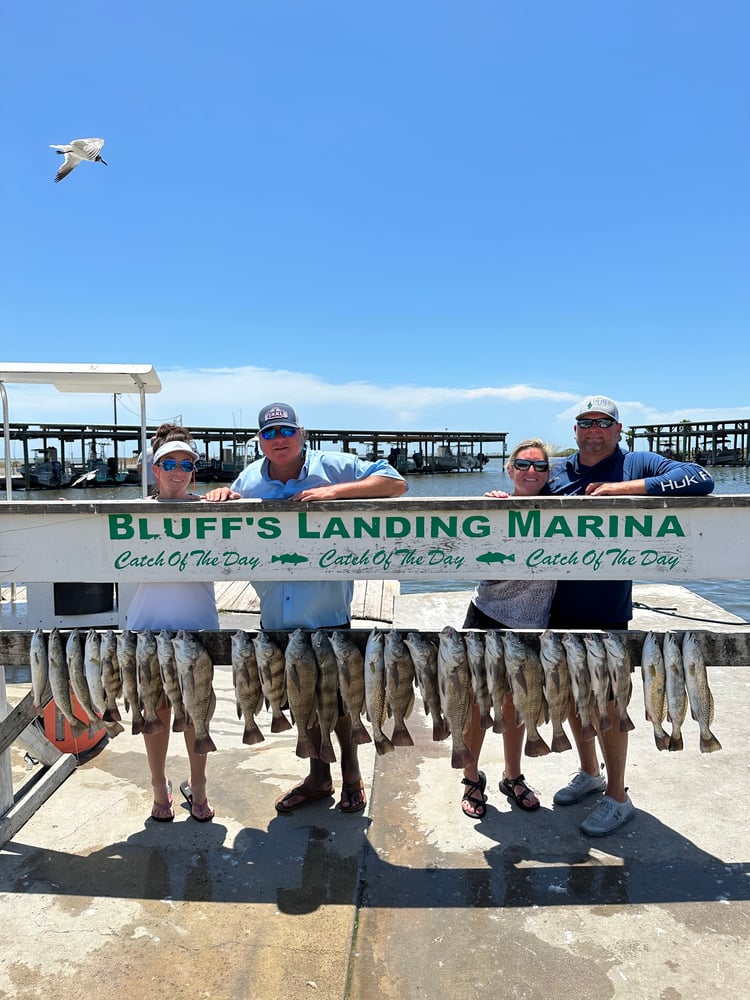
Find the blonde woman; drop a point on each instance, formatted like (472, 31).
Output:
(508, 604)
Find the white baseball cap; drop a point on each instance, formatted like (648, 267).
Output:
(598, 404)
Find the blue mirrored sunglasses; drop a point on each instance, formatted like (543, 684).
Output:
(522, 464)
(170, 464)
(270, 433)
(603, 422)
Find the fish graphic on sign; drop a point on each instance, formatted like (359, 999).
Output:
(496, 557)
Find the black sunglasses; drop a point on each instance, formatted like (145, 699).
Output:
(170, 464)
(271, 432)
(522, 464)
(603, 422)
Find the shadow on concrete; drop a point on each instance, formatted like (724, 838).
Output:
(299, 868)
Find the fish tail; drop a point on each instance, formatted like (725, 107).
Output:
(179, 724)
(560, 742)
(383, 745)
(485, 720)
(401, 737)
(152, 726)
(588, 733)
(709, 743)
(499, 725)
(440, 730)
(252, 735)
(280, 723)
(204, 744)
(305, 746)
(675, 741)
(461, 756)
(626, 723)
(113, 728)
(112, 714)
(359, 733)
(662, 740)
(327, 753)
(535, 747)
(77, 727)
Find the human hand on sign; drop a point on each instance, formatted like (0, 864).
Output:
(221, 493)
(498, 494)
(632, 488)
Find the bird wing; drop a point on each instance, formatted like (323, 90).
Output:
(71, 160)
(87, 149)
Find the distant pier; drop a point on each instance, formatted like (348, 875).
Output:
(712, 442)
(225, 451)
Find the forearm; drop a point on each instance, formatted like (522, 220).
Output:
(371, 487)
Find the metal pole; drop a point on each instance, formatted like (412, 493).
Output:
(144, 439)
(6, 437)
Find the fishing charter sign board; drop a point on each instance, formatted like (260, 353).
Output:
(640, 538)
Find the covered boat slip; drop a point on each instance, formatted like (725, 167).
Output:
(78, 378)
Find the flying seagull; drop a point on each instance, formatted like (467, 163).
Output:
(77, 150)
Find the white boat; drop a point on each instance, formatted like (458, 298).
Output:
(45, 473)
(446, 460)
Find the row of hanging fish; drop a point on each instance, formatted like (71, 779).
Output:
(307, 678)
(450, 675)
(137, 667)
(675, 677)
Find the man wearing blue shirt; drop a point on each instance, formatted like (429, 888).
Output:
(601, 468)
(289, 470)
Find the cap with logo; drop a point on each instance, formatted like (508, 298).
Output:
(598, 404)
(277, 415)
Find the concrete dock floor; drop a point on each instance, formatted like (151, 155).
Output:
(408, 900)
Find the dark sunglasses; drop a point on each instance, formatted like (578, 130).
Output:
(170, 464)
(271, 432)
(522, 464)
(603, 422)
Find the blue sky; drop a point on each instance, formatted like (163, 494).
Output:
(415, 215)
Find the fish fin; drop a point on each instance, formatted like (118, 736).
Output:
(440, 730)
(204, 745)
(280, 723)
(536, 747)
(709, 743)
(252, 734)
(383, 745)
(359, 733)
(401, 737)
(560, 743)
(461, 757)
(661, 740)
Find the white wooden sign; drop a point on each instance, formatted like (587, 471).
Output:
(643, 538)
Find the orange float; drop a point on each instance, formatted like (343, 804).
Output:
(58, 731)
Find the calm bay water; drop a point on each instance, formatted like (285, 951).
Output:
(734, 595)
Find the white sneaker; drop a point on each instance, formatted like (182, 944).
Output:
(607, 816)
(579, 786)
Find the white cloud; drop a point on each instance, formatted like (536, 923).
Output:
(231, 397)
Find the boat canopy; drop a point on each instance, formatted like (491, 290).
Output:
(80, 378)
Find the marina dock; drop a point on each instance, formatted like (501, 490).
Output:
(410, 900)
(74, 449)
